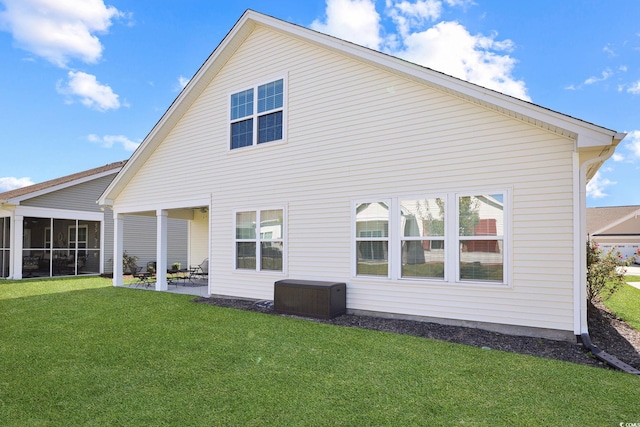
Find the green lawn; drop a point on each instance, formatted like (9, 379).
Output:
(80, 352)
(625, 303)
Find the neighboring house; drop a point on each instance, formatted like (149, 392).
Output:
(298, 155)
(56, 228)
(615, 227)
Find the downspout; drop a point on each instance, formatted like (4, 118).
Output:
(580, 267)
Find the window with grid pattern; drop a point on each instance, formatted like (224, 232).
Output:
(257, 115)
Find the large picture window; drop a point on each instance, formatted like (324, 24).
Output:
(257, 115)
(260, 240)
(449, 238)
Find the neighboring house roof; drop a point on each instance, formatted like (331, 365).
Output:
(16, 196)
(586, 135)
(601, 219)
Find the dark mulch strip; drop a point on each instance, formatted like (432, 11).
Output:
(608, 333)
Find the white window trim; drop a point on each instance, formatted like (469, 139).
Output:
(452, 253)
(284, 109)
(355, 239)
(506, 203)
(397, 244)
(257, 240)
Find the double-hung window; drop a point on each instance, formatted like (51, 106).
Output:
(480, 237)
(260, 240)
(372, 238)
(450, 237)
(257, 115)
(422, 237)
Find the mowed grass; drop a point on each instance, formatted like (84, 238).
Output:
(80, 352)
(625, 303)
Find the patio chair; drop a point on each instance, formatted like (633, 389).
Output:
(142, 278)
(200, 271)
(30, 264)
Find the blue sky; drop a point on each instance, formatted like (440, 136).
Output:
(84, 81)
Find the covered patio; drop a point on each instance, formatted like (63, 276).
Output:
(196, 213)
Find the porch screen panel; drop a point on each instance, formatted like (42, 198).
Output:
(88, 247)
(5, 246)
(36, 249)
(64, 251)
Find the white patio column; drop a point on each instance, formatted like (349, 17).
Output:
(118, 248)
(161, 253)
(17, 230)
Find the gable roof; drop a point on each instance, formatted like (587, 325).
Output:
(14, 197)
(587, 135)
(601, 219)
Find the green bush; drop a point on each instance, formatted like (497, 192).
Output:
(605, 271)
(128, 263)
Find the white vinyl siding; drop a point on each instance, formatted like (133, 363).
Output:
(199, 238)
(82, 196)
(140, 239)
(387, 136)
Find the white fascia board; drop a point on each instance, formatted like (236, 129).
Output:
(18, 199)
(617, 222)
(58, 213)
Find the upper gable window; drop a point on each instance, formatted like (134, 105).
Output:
(257, 115)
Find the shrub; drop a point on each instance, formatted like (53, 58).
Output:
(605, 271)
(128, 263)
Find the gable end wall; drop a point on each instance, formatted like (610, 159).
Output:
(356, 132)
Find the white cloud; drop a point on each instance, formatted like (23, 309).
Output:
(604, 76)
(634, 88)
(182, 82)
(596, 187)
(59, 30)
(407, 15)
(617, 157)
(108, 141)
(608, 49)
(353, 20)
(92, 93)
(633, 142)
(446, 46)
(11, 183)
